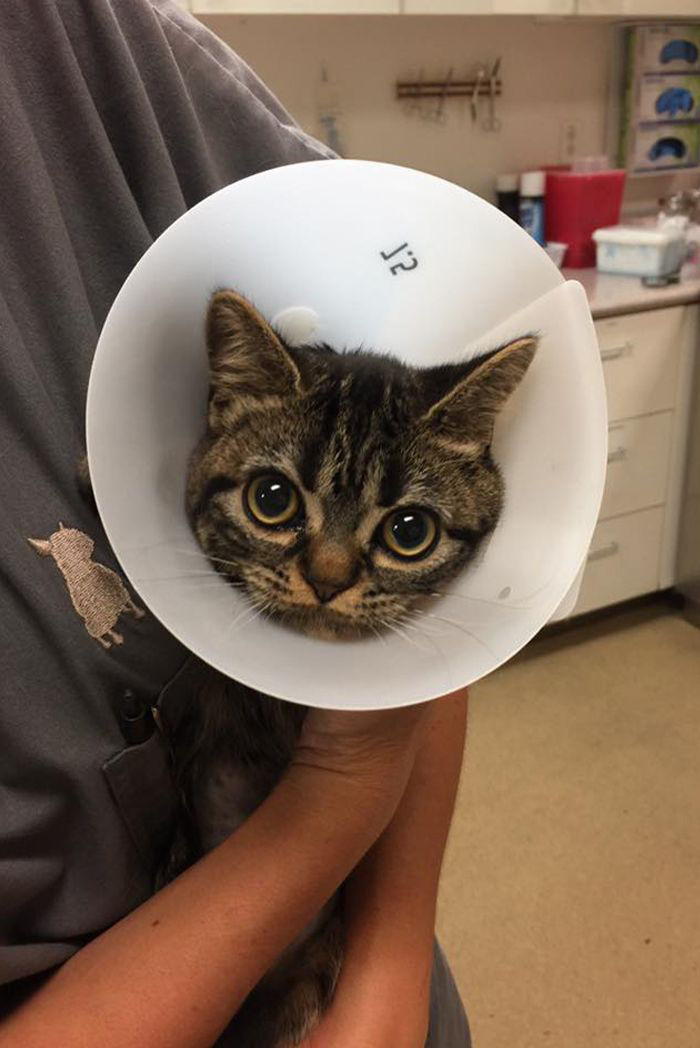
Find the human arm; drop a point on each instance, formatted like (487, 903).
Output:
(174, 971)
(383, 994)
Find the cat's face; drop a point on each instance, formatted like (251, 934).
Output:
(338, 490)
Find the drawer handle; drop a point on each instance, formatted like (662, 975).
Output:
(615, 351)
(617, 455)
(605, 551)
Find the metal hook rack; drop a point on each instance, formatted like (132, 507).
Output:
(448, 88)
(485, 83)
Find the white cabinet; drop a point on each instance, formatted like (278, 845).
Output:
(640, 354)
(613, 8)
(647, 364)
(640, 8)
(295, 7)
(623, 561)
(488, 7)
(382, 7)
(639, 451)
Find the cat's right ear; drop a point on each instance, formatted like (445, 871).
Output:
(246, 358)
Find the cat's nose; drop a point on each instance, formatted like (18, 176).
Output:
(326, 590)
(329, 568)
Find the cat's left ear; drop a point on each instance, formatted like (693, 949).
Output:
(465, 415)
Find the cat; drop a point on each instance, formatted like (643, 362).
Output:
(336, 491)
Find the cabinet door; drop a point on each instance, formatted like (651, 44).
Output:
(640, 354)
(623, 560)
(489, 7)
(295, 7)
(638, 456)
(637, 8)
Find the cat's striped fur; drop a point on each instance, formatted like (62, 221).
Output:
(358, 434)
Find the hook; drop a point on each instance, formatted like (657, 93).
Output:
(480, 74)
(440, 111)
(492, 123)
(413, 100)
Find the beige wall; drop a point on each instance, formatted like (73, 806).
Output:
(553, 71)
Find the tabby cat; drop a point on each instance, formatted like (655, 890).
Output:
(337, 491)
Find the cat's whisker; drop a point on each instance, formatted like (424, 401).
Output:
(239, 623)
(377, 633)
(199, 554)
(409, 624)
(397, 626)
(464, 630)
(222, 560)
(423, 630)
(399, 632)
(178, 578)
(250, 612)
(210, 584)
(480, 600)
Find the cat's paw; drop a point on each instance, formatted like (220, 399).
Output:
(287, 1004)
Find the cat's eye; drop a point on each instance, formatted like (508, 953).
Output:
(409, 532)
(272, 500)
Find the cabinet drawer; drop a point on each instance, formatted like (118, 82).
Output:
(638, 456)
(623, 560)
(640, 353)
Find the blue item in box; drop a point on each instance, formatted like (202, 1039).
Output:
(672, 96)
(666, 48)
(666, 146)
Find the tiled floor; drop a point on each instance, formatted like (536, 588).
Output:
(570, 901)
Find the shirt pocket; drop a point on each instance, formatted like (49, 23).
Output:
(140, 782)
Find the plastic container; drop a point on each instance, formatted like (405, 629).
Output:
(351, 253)
(578, 203)
(586, 165)
(532, 209)
(638, 251)
(508, 196)
(557, 252)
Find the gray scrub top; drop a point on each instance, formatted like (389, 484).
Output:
(115, 118)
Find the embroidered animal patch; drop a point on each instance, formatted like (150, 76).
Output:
(97, 593)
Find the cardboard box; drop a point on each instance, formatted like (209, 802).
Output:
(669, 146)
(666, 48)
(669, 96)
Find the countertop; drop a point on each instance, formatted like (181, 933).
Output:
(609, 295)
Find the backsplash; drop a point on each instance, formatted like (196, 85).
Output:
(555, 73)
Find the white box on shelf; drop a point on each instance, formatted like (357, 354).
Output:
(639, 251)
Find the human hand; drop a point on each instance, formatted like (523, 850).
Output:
(373, 745)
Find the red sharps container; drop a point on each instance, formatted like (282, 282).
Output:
(578, 203)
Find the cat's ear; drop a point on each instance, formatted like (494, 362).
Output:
(466, 413)
(246, 358)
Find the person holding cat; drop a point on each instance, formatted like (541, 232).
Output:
(117, 117)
